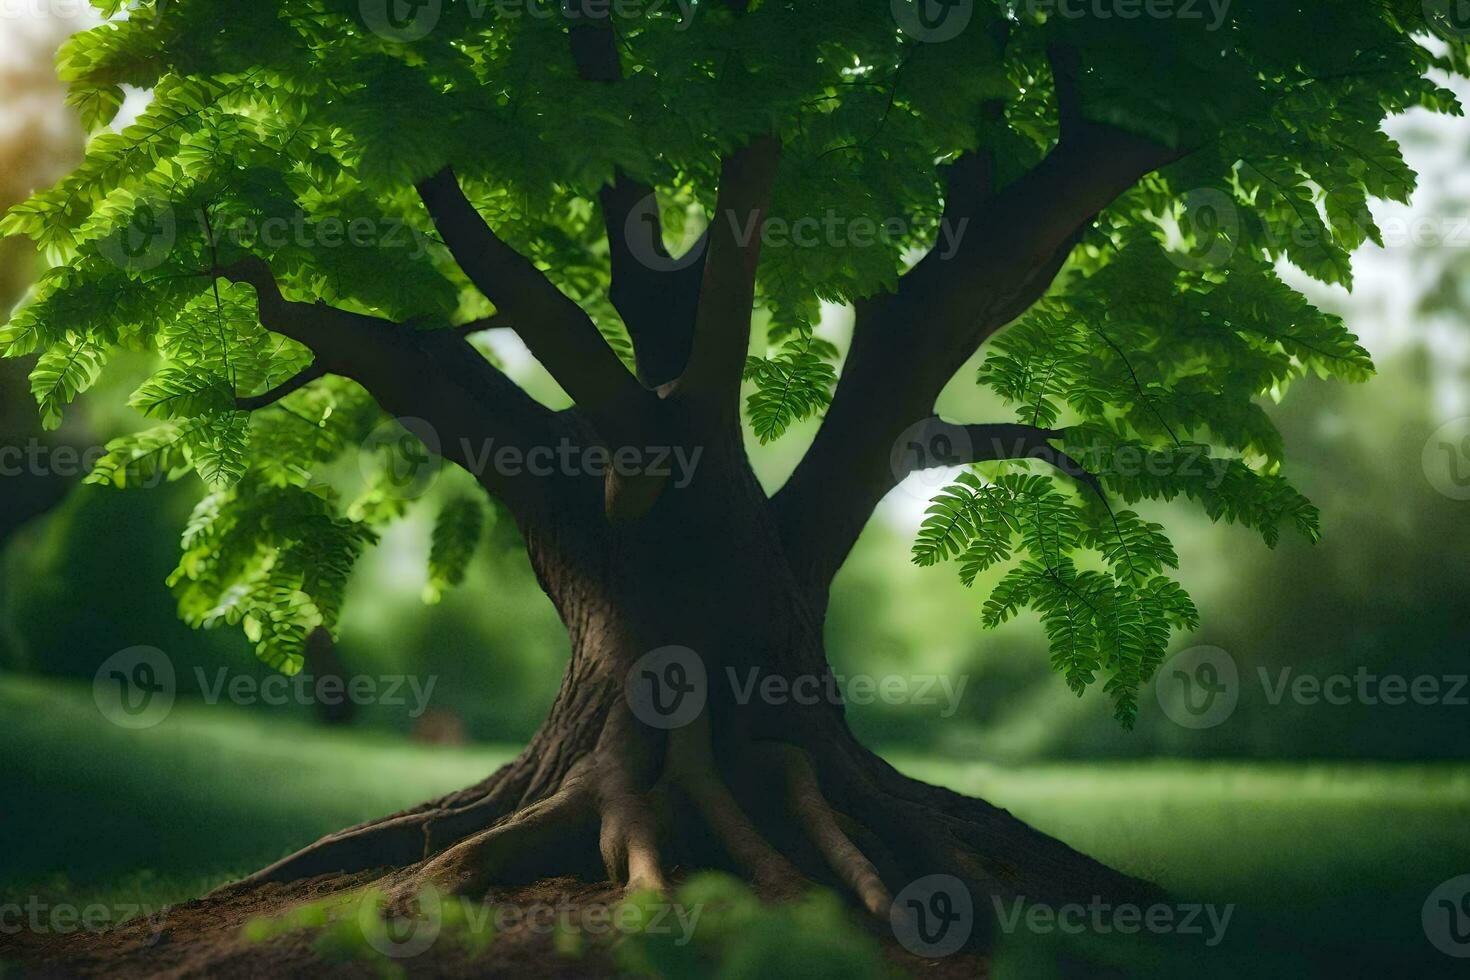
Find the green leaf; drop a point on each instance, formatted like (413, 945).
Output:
(178, 392)
(143, 459)
(63, 372)
(457, 534)
(793, 385)
(96, 104)
(217, 447)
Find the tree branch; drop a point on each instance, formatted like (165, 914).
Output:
(1066, 67)
(342, 341)
(250, 403)
(654, 292)
(989, 441)
(727, 291)
(999, 253)
(433, 376)
(556, 330)
(492, 322)
(595, 50)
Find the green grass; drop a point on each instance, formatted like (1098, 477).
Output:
(208, 794)
(1326, 862)
(1222, 829)
(1329, 865)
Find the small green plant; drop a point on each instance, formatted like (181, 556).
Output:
(739, 937)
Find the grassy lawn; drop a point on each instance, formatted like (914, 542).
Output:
(206, 795)
(1327, 863)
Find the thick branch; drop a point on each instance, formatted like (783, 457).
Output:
(1066, 69)
(998, 253)
(654, 292)
(335, 336)
(727, 292)
(434, 376)
(948, 444)
(968, 184)
(1010, 248)
(595, 50)
(492, 322)
(555, 329)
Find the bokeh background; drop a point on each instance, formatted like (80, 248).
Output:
(1333, 818)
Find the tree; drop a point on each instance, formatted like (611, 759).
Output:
(1111, 187)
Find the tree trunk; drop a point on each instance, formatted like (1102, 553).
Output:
(641, 768)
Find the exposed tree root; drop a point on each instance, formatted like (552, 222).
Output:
(528, 836)
(692, 769)
(645, 806)
(817, 818)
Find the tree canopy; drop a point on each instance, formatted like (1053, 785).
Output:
(1119, 181)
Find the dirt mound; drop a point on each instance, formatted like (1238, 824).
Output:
(333, 926)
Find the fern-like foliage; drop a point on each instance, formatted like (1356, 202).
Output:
(457, 534)
(66, 370)
(1153, 366)
(1115, 620)
(275, 128)
(144, 458)
(792, 385)
(274, 560)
